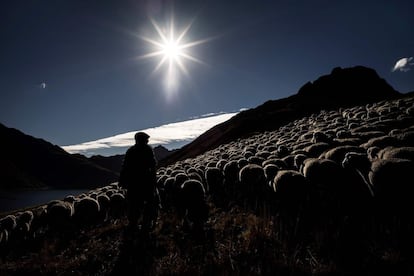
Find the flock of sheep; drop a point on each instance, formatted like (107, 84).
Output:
(61, 217)
(351, 166)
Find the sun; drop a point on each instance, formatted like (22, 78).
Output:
(173, 49)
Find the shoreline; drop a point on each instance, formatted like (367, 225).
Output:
(12, 201)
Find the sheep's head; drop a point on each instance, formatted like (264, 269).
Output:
(354, 160)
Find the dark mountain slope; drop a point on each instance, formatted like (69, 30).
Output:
(30, 162)
(342, 88)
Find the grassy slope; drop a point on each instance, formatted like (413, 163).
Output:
(236, 242)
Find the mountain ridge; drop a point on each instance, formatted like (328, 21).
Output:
(29, 162)
(343, 87)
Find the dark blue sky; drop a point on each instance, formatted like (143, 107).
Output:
(69, 71)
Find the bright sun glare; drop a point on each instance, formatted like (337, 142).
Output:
(172, 52)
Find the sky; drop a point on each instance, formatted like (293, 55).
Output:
(78, 71)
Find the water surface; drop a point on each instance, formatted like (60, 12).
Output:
(12, 200)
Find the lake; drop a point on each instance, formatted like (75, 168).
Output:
(12, 200)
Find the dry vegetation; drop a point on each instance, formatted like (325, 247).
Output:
(236, 242)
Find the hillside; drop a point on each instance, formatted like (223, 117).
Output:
(341, 88)
(29, 162)
(335, 226)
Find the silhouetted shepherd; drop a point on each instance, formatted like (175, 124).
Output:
(138, 177)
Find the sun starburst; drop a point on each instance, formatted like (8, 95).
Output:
(172, 51)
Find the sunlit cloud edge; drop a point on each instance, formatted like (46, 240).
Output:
(403, 64)
(167, 135)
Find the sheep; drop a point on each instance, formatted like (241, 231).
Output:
(86, 211)
(397, 152)
(316, 149)
(354, 141)
(406, 138)
(4, 238)
(336, 198)
(352, 125)
(8, 223)
(110, 192)
(39, 222)
(325, 177)
(26, 217)
(251, 177)
(320, 137)
(174, 191)
(161, 179)
(343, 134)
(289, 160)
(290, 188)
(231, 173)
(115, 185)
(270, 171)
(372, 152)
(220, 164)
(410, 111)
(23, 225)
(263, 154)
(255, 160)
(389, 176)
(358, 161)
(291, 192)
(280, 163)
(104, 206)
(253, 186)
(70, 198)
(392, 182)
(196, 176)
(180, 178)
(215, 183)
(169, 192)
(248, 152)
(282, 151)
(194, 203)
(337, 154)
(302, 145)
(391, 185)
(59, 217)
(118, 205)
(298, 160)
(382, 141)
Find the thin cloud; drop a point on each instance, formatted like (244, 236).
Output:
(403, 64)
(166, 135)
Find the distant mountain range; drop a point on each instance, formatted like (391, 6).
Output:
(31, 162)
(28, 162)
(114, 163)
